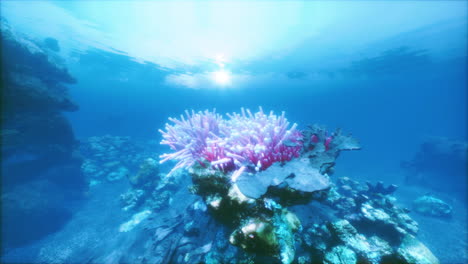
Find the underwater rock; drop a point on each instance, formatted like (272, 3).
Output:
(364, 222)
(373, 211)
(297, 174)
(134, 221)
(46, 140)
(143, 179)
(264, 231)
(274, 236)
(374, 214)
(380, 188)
(256, 235)
(359, 248)
(112, 158)
(159, 199)
(270, 229)
(431, 206)
(340, 255)
(31, 93)
(412, 251)
(150, 189)
(156, 199)
(32, 101)
(131, 199)
(191, 230)
(304, 260)
(27, 89)
(23, 51)
(180, 235)
(40, 164)
(316, 239)
(372, 249)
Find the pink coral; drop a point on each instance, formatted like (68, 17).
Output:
(244, 140)
(192, 138)
(262, 139)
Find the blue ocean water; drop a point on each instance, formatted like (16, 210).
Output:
(391, 73)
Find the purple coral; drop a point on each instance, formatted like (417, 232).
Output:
(192, 139)
(244, 140)
(262, 139)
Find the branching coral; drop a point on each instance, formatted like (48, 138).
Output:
(263, 139)
(194, 139)
(245, 140)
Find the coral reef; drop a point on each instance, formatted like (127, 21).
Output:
(112, 158)
(149, 188)
(332, 220)
(116, 158)
(366, 227)
(254, 176)
(346, 222)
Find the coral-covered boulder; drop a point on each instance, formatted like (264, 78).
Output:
(250, 167)
(113, 158)
(372, 249)
(271, 236)
(412, 251)
(340, 255)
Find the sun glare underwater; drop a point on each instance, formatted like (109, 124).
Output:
(268, 132)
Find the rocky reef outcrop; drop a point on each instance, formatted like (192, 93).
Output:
(364, 226)
(149, 188)
(348, 222)
(37, 141)
(111, 158)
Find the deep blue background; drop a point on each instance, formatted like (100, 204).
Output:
(391, 112)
